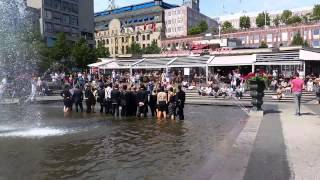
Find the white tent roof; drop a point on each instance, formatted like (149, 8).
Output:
(233, 60)
(110, 65)
(309, 55)
(103, 62)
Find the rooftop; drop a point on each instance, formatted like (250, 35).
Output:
(135, 7)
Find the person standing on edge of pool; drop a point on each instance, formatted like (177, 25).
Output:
(78, 98)
(115, 99)
(297, 86)
(181, 98)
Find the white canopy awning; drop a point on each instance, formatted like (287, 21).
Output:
(279, 63)
(110, 65)
(98, 64)
(309, 55)
(243, 60)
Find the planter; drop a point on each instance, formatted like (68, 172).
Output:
(257, 87)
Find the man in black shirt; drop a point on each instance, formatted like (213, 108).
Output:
(115, 99)
(142, 99)
(77, 98)
(181, 98)
(124, 101)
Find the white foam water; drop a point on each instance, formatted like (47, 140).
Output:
(35, 132)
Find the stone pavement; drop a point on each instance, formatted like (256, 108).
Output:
(302, 139)
(278, 146)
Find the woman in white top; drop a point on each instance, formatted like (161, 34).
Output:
(310, 85)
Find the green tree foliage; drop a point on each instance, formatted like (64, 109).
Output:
(297, 40)
(226, 27)
(83, 54)
(263, 19)
(285, 16)
(276, 20)
(294, 20)
(316, 12)
(152, 49)
(263, 45)
(135, 49)
(102, 51)
(203, 26)
(61, 49)
(245, 22)
(194, 30)
(200, 28)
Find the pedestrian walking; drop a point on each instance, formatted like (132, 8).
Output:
(297, 86)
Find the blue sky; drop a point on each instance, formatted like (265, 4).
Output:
(214, 8)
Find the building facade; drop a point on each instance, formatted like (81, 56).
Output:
(278, 36)
(179, 20)
(73, 17)
(142, 23)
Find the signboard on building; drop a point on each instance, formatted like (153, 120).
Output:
(186, 71)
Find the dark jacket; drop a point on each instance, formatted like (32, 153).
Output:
(101, 95)
(77, 95)
(89, 95)
(115, 96)
(124, 98)
(142, 96)
(181, 98)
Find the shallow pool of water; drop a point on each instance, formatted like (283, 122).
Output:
(40, 142)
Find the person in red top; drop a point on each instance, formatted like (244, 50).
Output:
(297, 86)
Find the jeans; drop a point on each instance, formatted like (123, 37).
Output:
(297, 102)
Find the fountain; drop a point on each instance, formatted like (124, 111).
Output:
(18, 56)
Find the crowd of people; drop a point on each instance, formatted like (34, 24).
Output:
(139, 98)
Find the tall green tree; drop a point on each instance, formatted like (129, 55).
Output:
(102, 51)
(285, 16)
(226, 27)
(153, 48)
(83, 54)
(276, 20)
(61, 49)
(203, 25)
(245, 22)
(294, 20)
(297, 40)
(316, 12)
(194, 30)
(135, 49)
(263, 19)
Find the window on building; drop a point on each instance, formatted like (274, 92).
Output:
(148, 37)
(143, 46)
(122, 50)
(316, 32)
(315, 43)
(107, 41)
(48, 14)
(132, 38)
(137, 38)
(74, 20)
(143, 37)
(65, 19)
(103, 42)
(49, 27)
(116, 50)
(122, 39)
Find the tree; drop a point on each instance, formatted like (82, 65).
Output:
(263, 45)
(226, 27)
(306, 18)
(263, 19)
(135, 49)
(153, 48)
(276, 20)
(200, 28)
(245, 22)
(61, 48)
(194, 30)
(203, 26)
(102, 51)
(285, 16)
(306, 44)
(297, 40)
(83, 54)
(316, 12)
(294, 20)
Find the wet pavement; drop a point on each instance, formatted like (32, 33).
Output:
(39, 142)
